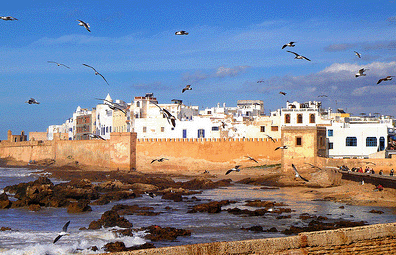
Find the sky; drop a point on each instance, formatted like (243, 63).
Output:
(233, 52)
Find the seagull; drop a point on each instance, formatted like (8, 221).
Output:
(272, 139)
(159, 160)
(32, 101)
(188, 87)
(298, 56)
(260, 81)
(358, 54)
(96, 73)
(282, 93)
(281, 147)
(86, 25)
(7, 18)
(150, 194)
(387, 78)
(171, 119)
(59, 64)
(114, 106)
(223, 124)
(64, 229)
(182, 32)
(290, 44)
(322, 96)
(96, 136)
(297, 174)
(236, 169)
(251, 159)
(361, 72)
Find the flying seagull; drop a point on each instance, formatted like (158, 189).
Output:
(387, 78)
(281, 147)
(83, 24)
(59, 64)
(236, 169)
(298, 175)
(114, 106)
(159, 160)
(252, 159)
(358, 54)
(282, 93)
(182, 32)
(150, 194)
(361, 72)
(95, 136)
(322, 96)
(188, 87)
(290, 44)
(64, 229)
(32, 101)
(298, 56)
(272, 139)
(96, 73)
(171, 119)
(7, 18)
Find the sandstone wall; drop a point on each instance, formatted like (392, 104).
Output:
(372, 239)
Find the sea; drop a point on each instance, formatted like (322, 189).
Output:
(34, 232)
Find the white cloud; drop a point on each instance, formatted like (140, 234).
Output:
(221, 72)
(231, 72)
(374, 90)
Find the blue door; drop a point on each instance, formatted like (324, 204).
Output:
(201, 133)
(184, 133)
(382, 143)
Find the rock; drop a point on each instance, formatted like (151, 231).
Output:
(79, 207)
(376, 211)
(237, 211)
(142, 187)
(115, 247)
(134, 209)
(5, 203)
(110, 219)
(266, 204)
(114, 196)
(34, 207)
(5, 228)
(157, 233)
(317, 225)
(325, 178)
(177, 197)
(211, 207)
(255, 228)
(204, 183)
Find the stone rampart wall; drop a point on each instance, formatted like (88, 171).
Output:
(372, 239)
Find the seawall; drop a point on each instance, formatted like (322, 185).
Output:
(371, 239)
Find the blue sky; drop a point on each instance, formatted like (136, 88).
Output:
(231, 45)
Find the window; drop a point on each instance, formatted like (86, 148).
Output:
(351, 141)
(184, 133)
(312, 118)
(371, 141)
(262, 128)
(330, 146)
(298, 141)
(209, 112)
(162, 129)
(215, 128)
(138, 104)
(299, 118)
(274, 128)
(201, 133)
(144, 129)
(287, 118)
(330, 132)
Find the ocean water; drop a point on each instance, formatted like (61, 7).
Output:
(34, 232)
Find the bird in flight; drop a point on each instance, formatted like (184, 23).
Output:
(290, 44)
(64, 232)
(96, 73)
(361, 72)
(114, 106)
(282, 93)
(252, 159)
(281, 147)
(298, 175)
(59, 64)
(32, 101)
(159, 160)
(322, 96)
(95, 136)
(272, 139)
(7, 18)
(171, 119)
(83, 24)
(387, 78)
(188, 87)
(236, 169)
(260, 81)
(181, 32)
(358, 54)
(298, 56)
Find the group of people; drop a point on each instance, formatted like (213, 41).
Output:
(366, 170)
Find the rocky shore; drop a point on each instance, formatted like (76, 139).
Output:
(85, 188)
